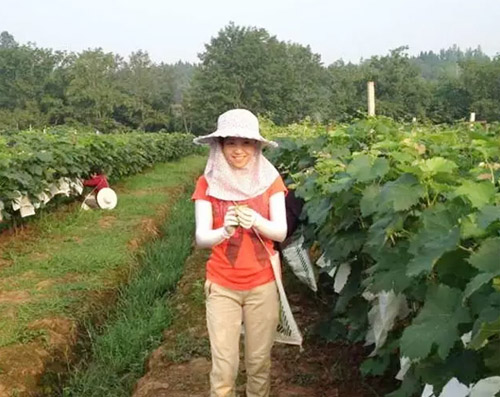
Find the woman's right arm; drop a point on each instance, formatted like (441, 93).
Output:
(206, 236)
(90, 182)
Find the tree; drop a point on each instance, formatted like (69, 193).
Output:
(249, 68)
(450, 101)
(25, 74)
(347, 91)
(481, 79)
(7, 40)
(135, 81)
(304, 89)
(92, 91)
(240, 67)
(401, 92)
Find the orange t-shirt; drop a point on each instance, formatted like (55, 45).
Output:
(240, 262)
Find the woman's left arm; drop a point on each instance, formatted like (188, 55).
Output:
(276, 227)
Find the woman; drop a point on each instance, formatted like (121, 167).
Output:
(97, 181)
(240, 211)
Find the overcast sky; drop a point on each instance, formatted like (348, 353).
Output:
(177, 30)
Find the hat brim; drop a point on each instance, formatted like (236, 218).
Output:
(106, 198)
(208, 139)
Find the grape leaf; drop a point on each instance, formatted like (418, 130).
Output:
(476, 283)
(380, 167)
(469, 227)
(381, 229)
(488, 215)
(439, 234)
(360, 168)
(403, 193)
(485, 331)
(364, 169)
(485, 259)
(465, 365)
(369, 202)
(375, 365)
(479, 194)
(317, 210)
(489, 306)
(342, 244)
(436, 324)
(338, 185)
(389, 273)
(453, 269)
(437, 165)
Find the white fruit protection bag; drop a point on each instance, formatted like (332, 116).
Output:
(288, 331)
(297, 257)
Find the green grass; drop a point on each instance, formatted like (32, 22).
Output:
(77, 253)
(188, 346)
(135, 329)
(187, 342)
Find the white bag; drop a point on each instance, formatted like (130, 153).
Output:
(89, 202)
(288, 330)
(298, 259)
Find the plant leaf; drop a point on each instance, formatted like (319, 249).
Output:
(436, 325)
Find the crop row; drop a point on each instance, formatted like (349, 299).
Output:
(36, 166)
(409, 217)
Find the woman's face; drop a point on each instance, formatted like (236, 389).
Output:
(238, 151)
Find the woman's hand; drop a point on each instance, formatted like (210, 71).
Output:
(230, 221)
(247, 217)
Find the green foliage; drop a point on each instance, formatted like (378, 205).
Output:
(401, 91)
(484, 96)
(414, 210)
(240, 67)
(247, 67)
(485, 259)
(41, 87)
(92, 92)
(31, 161)
(435, 325)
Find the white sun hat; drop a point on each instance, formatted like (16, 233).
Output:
(106, 198)
(238, 123)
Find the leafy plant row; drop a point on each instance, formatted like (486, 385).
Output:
(36, 165)
(409, 216)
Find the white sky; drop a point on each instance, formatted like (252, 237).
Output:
(178, 30)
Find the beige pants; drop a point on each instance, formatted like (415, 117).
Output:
(258, 308)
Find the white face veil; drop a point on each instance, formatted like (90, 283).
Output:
(228, 183)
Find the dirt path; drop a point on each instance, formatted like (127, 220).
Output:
(180, 366)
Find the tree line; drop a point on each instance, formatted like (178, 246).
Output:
(240, 67)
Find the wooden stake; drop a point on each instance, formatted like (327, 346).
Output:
(472, 119)
(371, 98)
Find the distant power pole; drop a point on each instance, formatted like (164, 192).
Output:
(371, 98)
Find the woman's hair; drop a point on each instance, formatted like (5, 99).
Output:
(95, 169)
